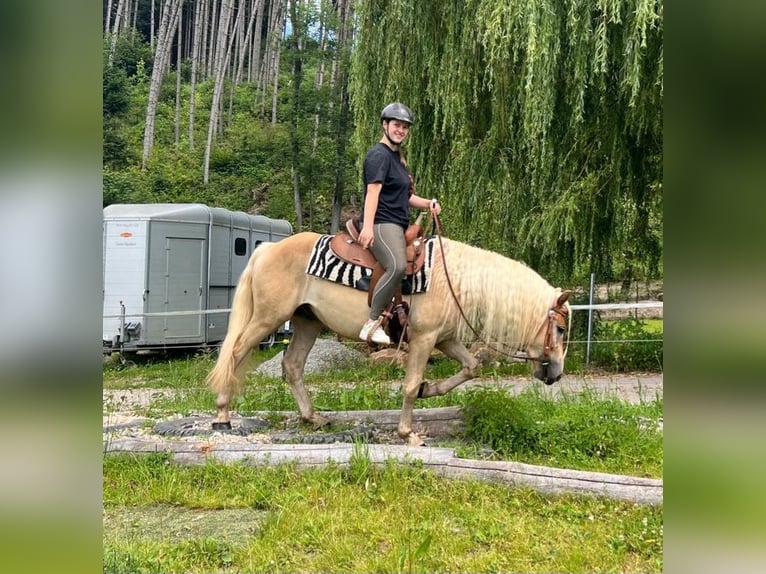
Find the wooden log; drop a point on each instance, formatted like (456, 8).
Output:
(557, 481)
(547, 480)
(436, 422)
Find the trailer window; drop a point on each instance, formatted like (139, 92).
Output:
(240, 246)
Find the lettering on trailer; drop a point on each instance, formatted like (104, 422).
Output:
(126, 236)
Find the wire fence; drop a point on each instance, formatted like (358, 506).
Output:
(589, 341)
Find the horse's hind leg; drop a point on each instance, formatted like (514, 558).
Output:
(455, 350)
(227, 376)
(305, 332)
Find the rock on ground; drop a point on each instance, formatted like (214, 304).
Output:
(324, 355)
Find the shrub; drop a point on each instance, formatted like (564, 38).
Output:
(582, 431)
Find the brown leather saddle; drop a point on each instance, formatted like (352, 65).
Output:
(347, 248)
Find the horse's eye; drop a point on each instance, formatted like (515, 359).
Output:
(560, 330)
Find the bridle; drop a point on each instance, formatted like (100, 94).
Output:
(550, 323)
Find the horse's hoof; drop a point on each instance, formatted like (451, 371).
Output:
(319, 422)
(415, 440)
(221, 426)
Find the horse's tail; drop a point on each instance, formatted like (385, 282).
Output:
(225, 376)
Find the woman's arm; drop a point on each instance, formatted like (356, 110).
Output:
(423, 203)
(370, 208)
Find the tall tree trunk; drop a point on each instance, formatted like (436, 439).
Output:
(151, 26)
(202, 66)
(244, 50)
(135, 18)
(255, 59)
(318, 85)
(267, 63)
(164, 43)
(278, 51)
(214, 23)
(319, 82)
(222, 51)
(179, 26)
(108, 19)
(239, 35)
(188, 33)
(115, 31)
(199, 7)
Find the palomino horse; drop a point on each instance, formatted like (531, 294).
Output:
(507, 302)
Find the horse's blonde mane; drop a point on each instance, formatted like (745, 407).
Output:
(504, 300)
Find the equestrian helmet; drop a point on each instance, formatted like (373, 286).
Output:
(397, 111)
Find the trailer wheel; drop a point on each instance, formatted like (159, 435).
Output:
(124, 363)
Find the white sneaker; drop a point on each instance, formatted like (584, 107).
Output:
(378, 335)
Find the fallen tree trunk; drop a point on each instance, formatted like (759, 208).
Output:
(550, 481)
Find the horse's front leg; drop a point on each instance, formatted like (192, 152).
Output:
(455, 350)
(417, 358)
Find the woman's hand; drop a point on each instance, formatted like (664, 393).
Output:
(366, 237)
(435, 207)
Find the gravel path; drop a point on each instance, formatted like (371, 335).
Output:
(630, 387)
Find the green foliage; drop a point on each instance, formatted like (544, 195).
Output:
(132, 54)
(116, 98)
(120, 186)
(578, 431)
(627, 345)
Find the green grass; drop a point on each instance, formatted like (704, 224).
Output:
(162, 517)
(363, 518)
(159, 372)
(581, 431)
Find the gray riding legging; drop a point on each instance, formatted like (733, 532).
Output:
(390, 250)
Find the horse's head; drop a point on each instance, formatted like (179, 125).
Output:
(549, 349)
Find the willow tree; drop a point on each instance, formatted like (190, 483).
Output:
(538, 122)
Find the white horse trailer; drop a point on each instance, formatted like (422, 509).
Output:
(168, 268)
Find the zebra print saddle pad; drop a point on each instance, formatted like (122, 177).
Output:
(325, 264)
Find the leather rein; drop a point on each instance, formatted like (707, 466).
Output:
(549, 323)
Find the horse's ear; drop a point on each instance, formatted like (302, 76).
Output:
(563, 297)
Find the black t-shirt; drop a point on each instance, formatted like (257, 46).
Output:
(383, 165)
